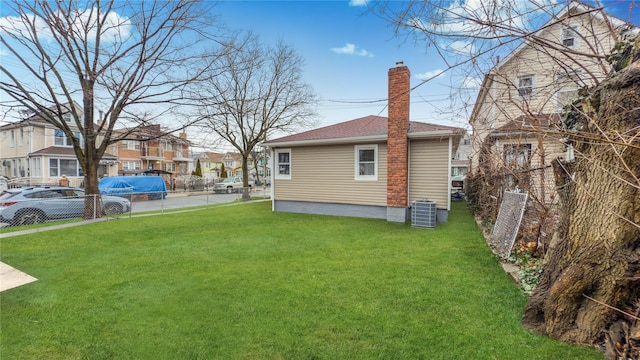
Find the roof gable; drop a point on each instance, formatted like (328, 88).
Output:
(573, 10)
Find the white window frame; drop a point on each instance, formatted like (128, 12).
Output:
(131, 165)
(565, 33)
(58, 168)
(169, 166)
(358, 176)
(36, 169)
(66, 142)
(12, 138)
(520, 87)
(131, 144)
(278, 174)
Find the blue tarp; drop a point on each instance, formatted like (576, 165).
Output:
(117, 185)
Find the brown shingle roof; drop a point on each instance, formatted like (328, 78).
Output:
(66, 151)
(362, 127)
(213, 156)
(530, 122)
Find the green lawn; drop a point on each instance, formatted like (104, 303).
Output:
(242, 282)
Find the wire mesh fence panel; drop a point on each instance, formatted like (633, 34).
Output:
(48, 204)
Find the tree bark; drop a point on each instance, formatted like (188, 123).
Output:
(594, 257)
(246, 196)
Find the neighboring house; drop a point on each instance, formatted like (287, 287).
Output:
(149, 150)
(368, 167)
(233, 164)
(32, 151)
(211, 165)
(461, 162)
(517, 111)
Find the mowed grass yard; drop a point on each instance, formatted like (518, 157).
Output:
(242, 282)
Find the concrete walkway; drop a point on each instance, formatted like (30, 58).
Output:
(11, 277)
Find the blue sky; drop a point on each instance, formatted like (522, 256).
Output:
(347, 52)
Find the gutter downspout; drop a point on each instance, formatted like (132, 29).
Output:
(449, 174)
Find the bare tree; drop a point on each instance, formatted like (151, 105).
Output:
(261, 92)
(132, 60)
(592, 262)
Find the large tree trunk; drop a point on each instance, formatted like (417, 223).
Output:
(92, 208)
(594, 257)
(246, 195)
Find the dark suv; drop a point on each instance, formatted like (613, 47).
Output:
(29, 205)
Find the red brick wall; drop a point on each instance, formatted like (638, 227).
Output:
(397, 157)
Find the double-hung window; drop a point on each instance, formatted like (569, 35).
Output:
(366, 166)
(525, 86)
(517, 160)
(61, 139)
(131, 165)
(131, 144)
(569, 36)
(283, 164)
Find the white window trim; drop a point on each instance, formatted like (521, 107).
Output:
(533, 85)
(575, 36)
(277, 174)
(356, 167)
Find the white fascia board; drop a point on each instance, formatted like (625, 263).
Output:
(360, 139)
(350, 140)
(431, 134)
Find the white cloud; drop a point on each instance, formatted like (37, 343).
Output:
(358, 2)
(351, 49)
(478, 18)
(114, 28)
(462, 47)
(430, 74)
(469, 82)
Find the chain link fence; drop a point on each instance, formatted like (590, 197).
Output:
(47, 204)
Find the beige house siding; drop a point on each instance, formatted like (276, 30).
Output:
(545, 64)
(429, 171)
(327, 174)
(500, 102)
(541, 176)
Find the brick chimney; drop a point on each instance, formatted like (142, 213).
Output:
(397, 143)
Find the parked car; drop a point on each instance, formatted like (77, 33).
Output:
(29, 205)
(230, 185)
